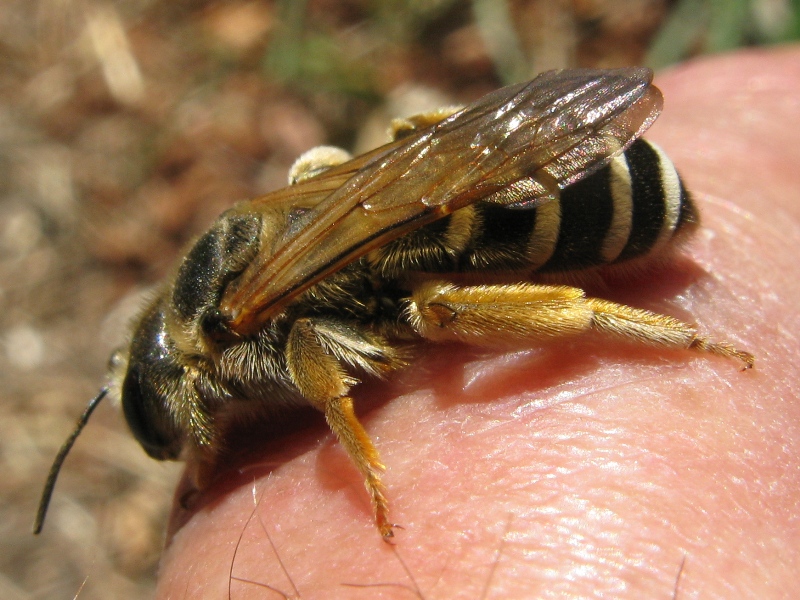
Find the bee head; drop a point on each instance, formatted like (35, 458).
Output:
(147, 376)
(146, 412)
(150, 379)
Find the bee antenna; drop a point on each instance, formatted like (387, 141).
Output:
(59, 460)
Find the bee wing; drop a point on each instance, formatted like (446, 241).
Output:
(549, 133)
(309, 193)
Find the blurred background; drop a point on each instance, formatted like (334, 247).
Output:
(126, 127)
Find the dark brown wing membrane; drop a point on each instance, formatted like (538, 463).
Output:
(550, 132)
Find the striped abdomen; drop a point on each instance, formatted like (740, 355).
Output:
(628, 209)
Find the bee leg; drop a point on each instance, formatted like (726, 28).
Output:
(203, 452)
(321, 379)
(404, 126)
(504, 316)
(642, 326)
(201, 470)
(316, 161)
(343, 422)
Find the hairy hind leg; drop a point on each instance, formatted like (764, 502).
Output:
(524, 314)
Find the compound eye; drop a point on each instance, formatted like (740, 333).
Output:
(145, 413)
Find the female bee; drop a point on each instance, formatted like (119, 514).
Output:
(295, 296)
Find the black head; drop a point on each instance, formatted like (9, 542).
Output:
(149, 389)
(151, 386)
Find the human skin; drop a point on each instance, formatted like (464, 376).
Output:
(587, 468)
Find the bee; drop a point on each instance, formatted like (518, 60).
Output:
(294, 297)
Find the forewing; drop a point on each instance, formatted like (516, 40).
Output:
(549, 132)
